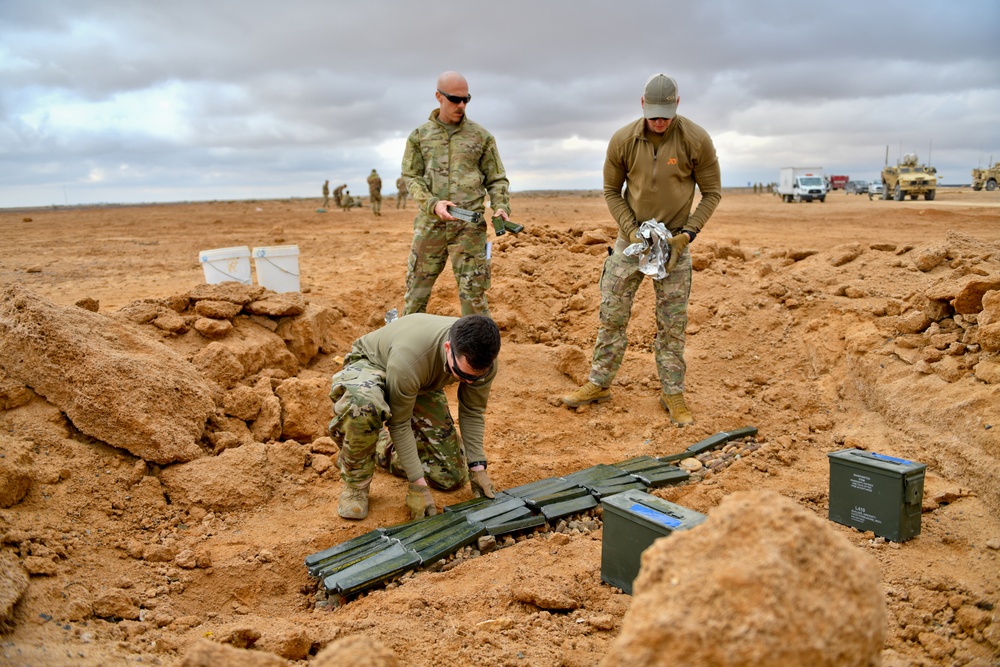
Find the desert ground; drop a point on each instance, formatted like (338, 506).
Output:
(130, 537)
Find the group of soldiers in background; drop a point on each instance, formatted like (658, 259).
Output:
(342, 196)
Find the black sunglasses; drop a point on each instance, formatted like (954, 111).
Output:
(459, 372)
(455, 99)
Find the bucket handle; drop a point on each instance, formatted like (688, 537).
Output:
(280, 268)
(227, 274)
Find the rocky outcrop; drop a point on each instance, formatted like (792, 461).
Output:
(111, 380)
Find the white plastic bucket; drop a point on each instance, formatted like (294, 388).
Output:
(226, 265)
(277, 267)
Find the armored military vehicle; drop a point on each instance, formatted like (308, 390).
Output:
(986, 178)
(908, 177)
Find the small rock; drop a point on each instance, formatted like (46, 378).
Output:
(93, 305)
(486, 544)
(690, 464)
(495, 624)
(211, 328)
(36, 565)
(186, 559)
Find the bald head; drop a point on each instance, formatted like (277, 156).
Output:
(448, 79)
(452, 86)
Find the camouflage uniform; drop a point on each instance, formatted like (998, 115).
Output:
(620, 281)
(409, 399)
(375, 192)
(457, 163)
(326, 193)
(347, 202)
(338, 193)
(661, 180)
(401, 192)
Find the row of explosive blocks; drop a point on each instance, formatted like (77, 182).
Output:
(379, 556)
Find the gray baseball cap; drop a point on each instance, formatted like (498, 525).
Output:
(660, 97)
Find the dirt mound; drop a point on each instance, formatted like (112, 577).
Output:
(84, 362)
(760, 582)
(358, 651)
(13, 584)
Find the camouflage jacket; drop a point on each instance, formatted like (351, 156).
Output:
(461, 167)
(374, 182)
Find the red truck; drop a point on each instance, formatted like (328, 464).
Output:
(838, 182)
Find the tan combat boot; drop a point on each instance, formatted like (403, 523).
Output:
(588, 393)
(353, 502)
(674, 404)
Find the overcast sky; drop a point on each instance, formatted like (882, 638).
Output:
(127, 101)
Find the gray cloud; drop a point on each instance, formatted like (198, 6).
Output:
(124, 101)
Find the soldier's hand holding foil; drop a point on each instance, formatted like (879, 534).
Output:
(420, 501)
(482, 487)
(677, 245)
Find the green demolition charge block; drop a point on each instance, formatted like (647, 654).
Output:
(633, 520)
(870, 491)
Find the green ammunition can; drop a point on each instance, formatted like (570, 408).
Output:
(875, 492)
(633, 520)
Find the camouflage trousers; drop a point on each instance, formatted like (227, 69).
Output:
(376, 200)
(360, 411)
(620, 281)
(401, 199)
(434, 241)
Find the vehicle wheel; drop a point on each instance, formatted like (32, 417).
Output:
(885, 191)
(991, 185)
(929, 196)
(822, 199)
(897, 194)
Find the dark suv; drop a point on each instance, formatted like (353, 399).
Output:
(856, 187)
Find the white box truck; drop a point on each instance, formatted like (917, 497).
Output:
(802, 184)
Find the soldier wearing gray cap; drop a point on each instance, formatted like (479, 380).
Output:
(660, 157)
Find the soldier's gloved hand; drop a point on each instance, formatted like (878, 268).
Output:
(420, 501)
(482, 487)
(677, 245)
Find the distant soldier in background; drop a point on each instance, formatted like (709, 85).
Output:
(347, 202)
(401, 192)
(338, 193)
(375, 192)
(326, 193)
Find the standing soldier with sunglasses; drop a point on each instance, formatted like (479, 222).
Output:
(396, 376)
(452, 161)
